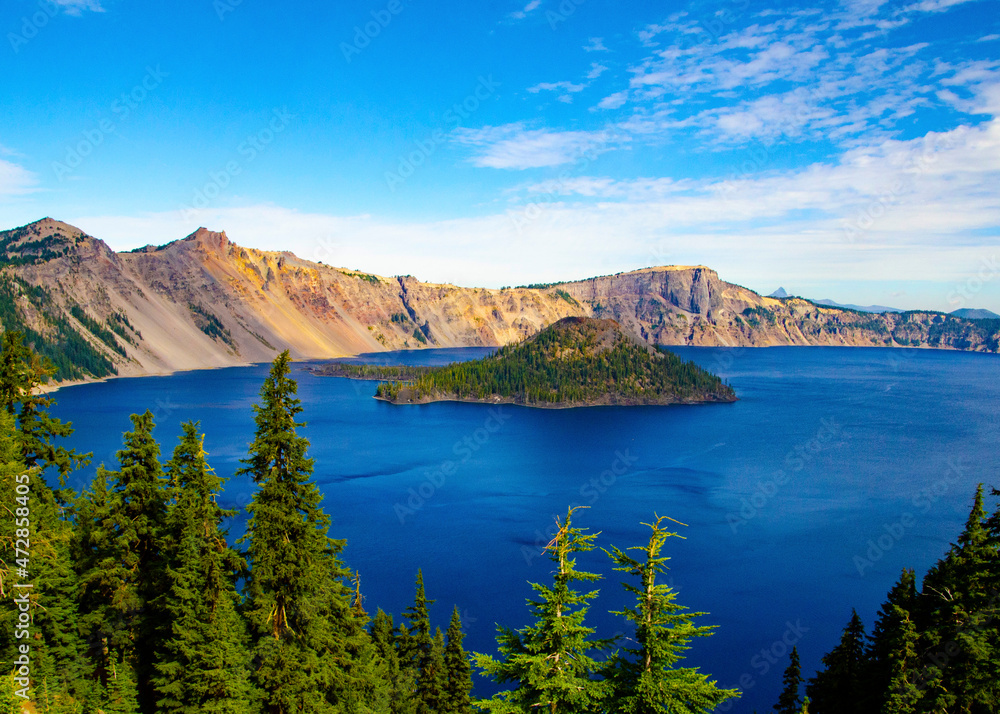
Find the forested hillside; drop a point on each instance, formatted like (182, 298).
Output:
(575, 362)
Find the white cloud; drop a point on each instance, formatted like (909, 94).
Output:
(76, 7)
(614, 101)
(557, 87)
(15, 180)
(526, 10)
(919, 210)
(596, 70)
(595, 44)
(513, 146)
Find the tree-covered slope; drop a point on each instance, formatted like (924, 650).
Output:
(577, 361)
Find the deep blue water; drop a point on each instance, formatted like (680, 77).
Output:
(786, 493)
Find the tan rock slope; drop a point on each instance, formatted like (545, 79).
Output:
(206, 302)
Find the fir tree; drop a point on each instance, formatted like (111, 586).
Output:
(646, 679)
(311, 651)
(434, 678)
(958, 621)
(21, 373)
(550, 662)
(883, 649)
(835, 689)
(416, 647)
(401, 684)
(204, 664)
(122, 693)
(902, 693)
(457, 698)
(124, 576)
(790, 701)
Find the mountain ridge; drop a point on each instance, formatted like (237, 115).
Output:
(204, 301)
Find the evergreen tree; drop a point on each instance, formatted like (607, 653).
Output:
(790, 701)
(401, 685)
(434, 678)
(457, 698)
(646, 679)
(550, 662)
(32, 516)
(125, 577)
(902, 694)
(835, 689)
(883, 655)
(416, 646)
(22, 372)
(204, 665)
(122, 692)
(958, 620)
(311, 651)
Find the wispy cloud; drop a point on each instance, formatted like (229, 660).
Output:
(595, 44)
(15, 180)
(934, 197)
(77, 7)
(526, 10)
(513, 146)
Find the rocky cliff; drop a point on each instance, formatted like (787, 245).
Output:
(206, 302)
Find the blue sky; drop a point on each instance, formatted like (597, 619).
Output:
(848, 149)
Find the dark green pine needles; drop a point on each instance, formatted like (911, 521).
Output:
(310, 649)
(204, 664)
(551, 662)
(646, 679)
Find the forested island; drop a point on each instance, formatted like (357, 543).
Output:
(577, 361)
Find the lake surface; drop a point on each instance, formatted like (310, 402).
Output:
(837, 468)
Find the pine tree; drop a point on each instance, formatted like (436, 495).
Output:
(883, 649)
(204, 665)
(31, 434)
(835, 688)
(550, 662)
(122, 692)
(958, 620)
(21, 373)
(790, 701)
(457, 699)
(434, 678)
(401, 685)
(646, 679)
(902, 694)
(124, 575)
(311, 651)
(416, 647)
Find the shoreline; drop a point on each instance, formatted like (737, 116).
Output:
(505, 401)
(56, 386)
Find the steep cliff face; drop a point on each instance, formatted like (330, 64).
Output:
(206, 302)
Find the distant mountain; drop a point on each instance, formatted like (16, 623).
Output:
(975, 314)
(205, 302)
(578, 361)
(859, 308)
(779, 293)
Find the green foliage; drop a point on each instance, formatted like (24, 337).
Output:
(646, 678)
(211, 325)
(550, 662)
(14, 252)
(837, 686)
(936, 651)
(311, 652)
(97, 329)
(790, 701)
(204, 664)
(456, 698)
(56, 340)
(419, 336)
(572, 362)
